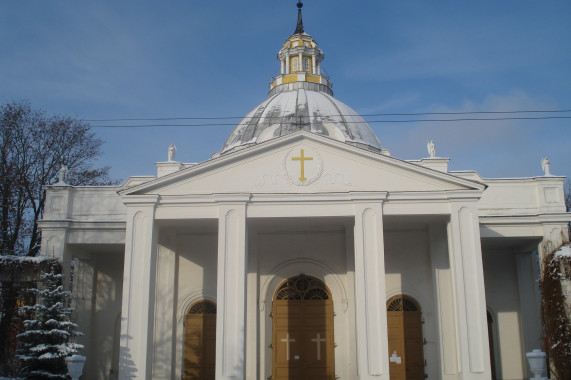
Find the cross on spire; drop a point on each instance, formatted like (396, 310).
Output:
(299, 28)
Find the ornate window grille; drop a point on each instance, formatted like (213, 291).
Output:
(402, 303)
(302, 287)
(203, 307)
(295, 64)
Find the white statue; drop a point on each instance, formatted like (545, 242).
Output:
(546, 166)
(172, 152)
(62, 173)
(431, 149)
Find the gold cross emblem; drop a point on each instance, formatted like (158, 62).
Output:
(302, 160)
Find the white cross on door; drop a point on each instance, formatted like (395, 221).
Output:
(287, 340)
(318, 340)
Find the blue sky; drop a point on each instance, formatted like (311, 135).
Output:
(153, 59)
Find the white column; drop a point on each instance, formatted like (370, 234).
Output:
(231, 287)
(313, 64)
(282, 67)
(137, 314)
(300, 66)
(287, 64)
(443, 302)
(468, 280)
(370, 292)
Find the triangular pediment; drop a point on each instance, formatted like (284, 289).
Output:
(302, 163)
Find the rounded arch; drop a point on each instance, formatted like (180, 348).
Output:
(189, 300)
(402, 302)
(202, 307)
(302, 287)
(422, 300)
(292, 268)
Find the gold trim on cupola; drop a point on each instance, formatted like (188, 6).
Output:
(300, 59)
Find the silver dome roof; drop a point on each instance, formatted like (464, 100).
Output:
(305, 108)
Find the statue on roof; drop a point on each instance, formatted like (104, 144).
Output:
(172, 152)
(546, 166)
(431, 149)
(62, 174)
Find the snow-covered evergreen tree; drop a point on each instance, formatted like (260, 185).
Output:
(45, 343)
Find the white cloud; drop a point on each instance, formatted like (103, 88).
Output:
(494, 148)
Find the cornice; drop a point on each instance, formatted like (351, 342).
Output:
(232, 198)
(139, 200)
(556, 218)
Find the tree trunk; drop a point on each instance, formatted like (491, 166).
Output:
(10, 297)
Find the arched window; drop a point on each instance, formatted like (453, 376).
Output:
(306, 64)
(295, 64)
(301, 288)
(200, 341)
(402, 303)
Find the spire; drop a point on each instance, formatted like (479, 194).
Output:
(299, 28)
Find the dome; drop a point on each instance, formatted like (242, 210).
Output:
(307, 109)
(301, 99)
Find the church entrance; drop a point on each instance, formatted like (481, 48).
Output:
(302, 321)
(406, 356)
(200, 341)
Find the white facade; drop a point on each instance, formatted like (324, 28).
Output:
(368, 225)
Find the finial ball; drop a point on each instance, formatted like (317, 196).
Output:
(299, 4)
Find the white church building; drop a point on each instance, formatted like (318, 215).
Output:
(304, 250)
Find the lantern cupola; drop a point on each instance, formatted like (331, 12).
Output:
(300, 59)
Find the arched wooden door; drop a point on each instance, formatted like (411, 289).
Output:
(302, 339)
(200, 341)
(406, 356)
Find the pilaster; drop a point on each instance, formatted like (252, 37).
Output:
(231, 287)
(370, 291)
(468, 280)
(164, 322)
(138, 306)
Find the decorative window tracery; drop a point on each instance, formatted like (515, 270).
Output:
(306, 64)
(295, 64)
(203, 307)
(402, 303)
(302, 287)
